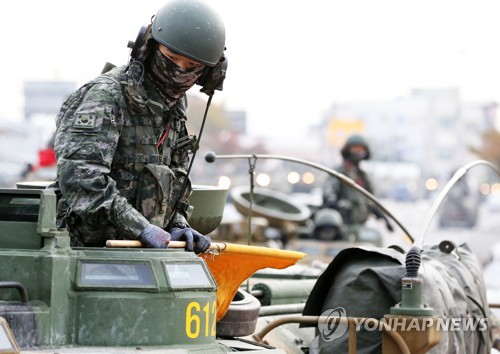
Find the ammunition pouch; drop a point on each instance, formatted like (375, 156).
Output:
(157, 194)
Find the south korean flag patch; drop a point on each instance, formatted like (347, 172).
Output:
(85, 121)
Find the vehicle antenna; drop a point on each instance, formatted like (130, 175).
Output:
(194, 149)
(439, 200)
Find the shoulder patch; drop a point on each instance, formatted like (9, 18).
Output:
(85, 121)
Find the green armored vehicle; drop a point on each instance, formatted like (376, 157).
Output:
(95, 300)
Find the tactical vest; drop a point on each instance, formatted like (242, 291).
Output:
(148, 176)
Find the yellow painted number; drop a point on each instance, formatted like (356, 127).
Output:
(195, 316)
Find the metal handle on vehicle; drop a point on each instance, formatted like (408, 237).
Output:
(23, 293)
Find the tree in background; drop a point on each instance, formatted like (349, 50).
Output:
(490, 150)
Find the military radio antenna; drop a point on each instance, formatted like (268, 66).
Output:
(194, 149)
(444, 192)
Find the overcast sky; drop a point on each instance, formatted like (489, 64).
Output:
(288, 60)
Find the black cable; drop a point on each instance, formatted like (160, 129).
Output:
(195, 149)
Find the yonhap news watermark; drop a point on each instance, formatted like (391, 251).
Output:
(333, 323)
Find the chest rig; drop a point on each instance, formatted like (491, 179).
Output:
(153, 141)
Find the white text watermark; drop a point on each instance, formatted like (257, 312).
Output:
(331, 325)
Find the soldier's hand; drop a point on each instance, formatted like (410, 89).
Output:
(189, 235)
(154, 237)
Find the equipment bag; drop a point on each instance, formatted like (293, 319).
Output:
(366, 282)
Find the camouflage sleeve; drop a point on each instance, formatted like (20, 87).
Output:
(86, 140)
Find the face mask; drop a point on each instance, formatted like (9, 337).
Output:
(169, 79)
(357, 156)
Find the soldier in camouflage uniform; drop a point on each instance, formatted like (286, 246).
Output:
(353, 206)
(121, 142)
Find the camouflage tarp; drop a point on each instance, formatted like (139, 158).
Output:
(367, 283)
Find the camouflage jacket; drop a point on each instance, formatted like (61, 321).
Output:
(119, 160)
(352, 204)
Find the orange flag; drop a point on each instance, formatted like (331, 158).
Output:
(236, 263)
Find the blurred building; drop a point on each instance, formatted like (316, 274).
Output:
(431, 128)
(45, 97)
(32, 157)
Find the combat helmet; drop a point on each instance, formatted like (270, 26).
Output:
(355, 139)
(192, 29)
(328, 225)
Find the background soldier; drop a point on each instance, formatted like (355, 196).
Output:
(122, 156)
(351, 204)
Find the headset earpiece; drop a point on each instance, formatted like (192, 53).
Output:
(213, 77)
(138, 53)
